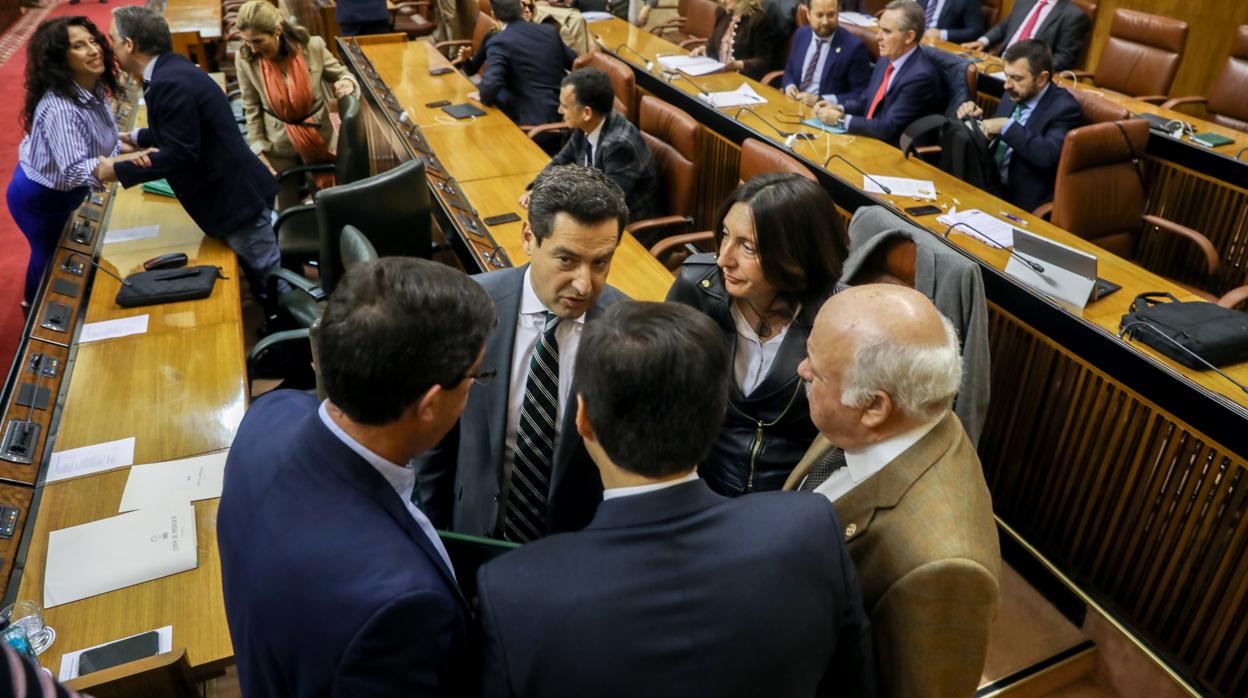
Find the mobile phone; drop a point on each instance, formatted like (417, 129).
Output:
(143, 645)
(501, 219)
(439, 103)
(441, 71)
(923, 210)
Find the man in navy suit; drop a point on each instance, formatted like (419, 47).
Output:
(222, 185)
(524, 66)
(904, 86)
(1059, 24)
(826, 62)
(335, 583)
(1031, 122)
(953, 20)
(514, 467)
(359, 17)
(673, 590)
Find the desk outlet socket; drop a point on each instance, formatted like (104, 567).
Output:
(8, 521)
(82, 233)
(56, 317)
(72, 265)
(40, 362)
(20, 439)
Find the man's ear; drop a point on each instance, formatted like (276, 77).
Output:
(425, 407)
(878, 410)
(527, 239)
(582, 420)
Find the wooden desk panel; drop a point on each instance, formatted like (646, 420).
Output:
(202, 16)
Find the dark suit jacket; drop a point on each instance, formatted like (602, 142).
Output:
(759, 43)
(357, 11)
(1064, 30)
(524, 65)
(846, 70)
(461, 480)
(680, 592)
(1037, 145)
(217, 178)
(331, 587)
(963, 19)
(622, 155)
(914, 92)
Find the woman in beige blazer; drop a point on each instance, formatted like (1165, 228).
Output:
(286, 77)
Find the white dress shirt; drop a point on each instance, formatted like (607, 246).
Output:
(754, 355)
(892, 80)
(593, 137)
(529, 325)
(616, 492)
(1044, 16)
(401, 478)
(864, 462)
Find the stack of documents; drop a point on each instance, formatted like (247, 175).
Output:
(691, 65)
(596, 16)
(743, 96)
(985, 226)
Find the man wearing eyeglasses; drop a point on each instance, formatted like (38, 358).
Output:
(515, 468)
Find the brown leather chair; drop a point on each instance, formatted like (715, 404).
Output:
(992, 11)
(1142, 55)
(1089, 8)
(759, 158)
(1097, 110)
(1227, 103)
(801, 18)
(1100, 197)
(485, 7)
(622, 81)
(675, 140)
(415, 19)
(479, 31)
(694, 28)
(869, 38)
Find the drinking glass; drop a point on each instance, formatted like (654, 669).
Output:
(29, 616)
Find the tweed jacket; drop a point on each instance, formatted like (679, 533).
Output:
(265, 132)
(922, 536)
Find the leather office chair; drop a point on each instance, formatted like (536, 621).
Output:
(992, 11)
(415, 19)
(485, 23)
(801, 18)
(675, 139)
(485, 8)
(869, 38)
(694, 28)
(1226, 104)
(623, 83)
(1089, 8)
(1097, 110)
(1142, 55)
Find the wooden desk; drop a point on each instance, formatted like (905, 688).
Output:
(202, 17)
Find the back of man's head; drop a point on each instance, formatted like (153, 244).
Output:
(507, 11)
(146, 28)
(593, 89)
(393, 329)
(654, 381)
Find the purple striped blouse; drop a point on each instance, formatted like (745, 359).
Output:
(67, 139)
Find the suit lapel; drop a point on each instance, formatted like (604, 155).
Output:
(813, 455)
(1026, 6)
(500, 356)
(1049, 22)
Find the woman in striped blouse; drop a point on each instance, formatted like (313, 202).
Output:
(70, 73)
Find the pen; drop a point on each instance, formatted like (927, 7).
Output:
(1016, 219)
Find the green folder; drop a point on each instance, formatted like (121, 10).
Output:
(1212, 140)
(160, 187)
(467, 553)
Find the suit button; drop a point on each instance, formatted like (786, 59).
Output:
(496, 496)
(485, 533)
(851, 530)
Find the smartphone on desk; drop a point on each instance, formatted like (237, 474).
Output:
(441, 71)
(119, 652)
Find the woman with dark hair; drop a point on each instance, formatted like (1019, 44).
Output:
(285, 77)
(780, 253)
(745, 39)
(70, 133)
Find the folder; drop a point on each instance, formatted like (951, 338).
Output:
(1212, 140)
(159, 186)
(468, 553)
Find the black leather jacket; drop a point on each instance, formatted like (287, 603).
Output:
(767, 433)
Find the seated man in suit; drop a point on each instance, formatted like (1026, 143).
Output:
(1060, 24)
(515, 467)
(1031, 122)
(603, 139)
(882, 372)
(524, 65)
(360, 17)
(827, 62)
(335, 583)
(673, 590)
(904, 87)
(953, 20)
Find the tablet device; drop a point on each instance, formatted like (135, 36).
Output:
(463, 111)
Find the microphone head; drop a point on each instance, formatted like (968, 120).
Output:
(649, 66)
(886, 189)
(788, 142)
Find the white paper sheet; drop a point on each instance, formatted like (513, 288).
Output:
(901, 186)
(183, 480)
(95, 458)
(995, 229)
(596, 16)
(740, 97)
(69, 660)
(125, 234)
(998, 75)
(112, 329)
(857, 19)
(117, 552)
(691, 65)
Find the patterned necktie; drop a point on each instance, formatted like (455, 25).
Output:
(879, 94)
(1030, 26)
(525, 518)
(834, 461)
(1003, 150)
(808, 77)
(930, 13)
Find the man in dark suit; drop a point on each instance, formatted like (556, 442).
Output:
(222, 185)
(515, 467)
(953, 20)
(1031, 122)
(524, 65)
(360, 17)
(1060, 24)
(603, 139)
(335, 583)
(904, 86)
(673, 590)
(827, 62)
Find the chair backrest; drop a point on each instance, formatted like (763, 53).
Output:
(700, 18)
(759, 158)
(622, 81)
(991, 10)
(355, 248)
(1097, 109)
(956, 79)
(1227, 103)
(1143, 53)
(1089, 8)
(190, 44)
(674, 138)
(1099, 194)
(485, 7)
(869, 38)
(352, 161)
(392, 209)
(485, 23)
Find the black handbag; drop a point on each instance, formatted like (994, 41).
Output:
(168, 286)
(1216, 334)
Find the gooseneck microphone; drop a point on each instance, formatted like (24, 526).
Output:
(787, 135)
(873, 180)
(984, 238)
(649, 63)
(671, 76)
(97, 266)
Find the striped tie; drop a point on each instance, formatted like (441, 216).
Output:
(834, 461)
(930, 13)
(1003, 149)
(525, 519)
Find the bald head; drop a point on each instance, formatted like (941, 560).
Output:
(882, 360)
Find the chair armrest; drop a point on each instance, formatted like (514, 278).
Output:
(658, 224)
(534, 131)
(928, 149)
(1206, 247)
(668, 26)
(1179, 101)
(1044, 210)
(453, 42)
(269, 341)
(771, 78)
(300, 283)
(692, 43)
(300, 169)
(1153, 99)
(411, 7)
(293, 211)
(1080, 74)
(666, 245)
(1234, 297)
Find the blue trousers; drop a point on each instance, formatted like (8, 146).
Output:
(41, 214)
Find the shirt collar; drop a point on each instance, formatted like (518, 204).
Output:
(596, 134)
(87, 97)
(149, 69)
(865, 462)
(530, 304)
(400, 478)
(1031, 103)
(616, 492)
(901, 60)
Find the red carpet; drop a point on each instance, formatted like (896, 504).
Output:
(13, 249)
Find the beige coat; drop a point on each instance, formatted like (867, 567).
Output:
(267, 134)
(922, 536)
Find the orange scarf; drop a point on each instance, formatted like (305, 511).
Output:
(291, 99)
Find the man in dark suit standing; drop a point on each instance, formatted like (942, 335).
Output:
(524, 65)
(904, 87)
(515, 467)
(222, 185)
(827, 62)
(1060, 24)
(953, 20)
(673, 590)
(1031, 124)
(335, 583)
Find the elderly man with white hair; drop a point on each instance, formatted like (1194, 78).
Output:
(882, 372)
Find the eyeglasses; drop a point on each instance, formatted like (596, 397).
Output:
(482, 377)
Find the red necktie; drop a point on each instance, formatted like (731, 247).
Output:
(1031, 21)
(879, 94)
